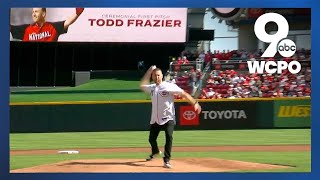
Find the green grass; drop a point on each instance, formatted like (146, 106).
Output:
(300, 161)
(140, 138)
(94, 90)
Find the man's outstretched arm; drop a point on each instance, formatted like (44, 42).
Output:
(73, 18)
(192, 101)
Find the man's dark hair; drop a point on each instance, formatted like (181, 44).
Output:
(44, 9)
(156, 69)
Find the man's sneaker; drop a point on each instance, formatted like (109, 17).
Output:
(153, 156)
(167, 165)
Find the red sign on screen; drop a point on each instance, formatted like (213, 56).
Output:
(188, 116)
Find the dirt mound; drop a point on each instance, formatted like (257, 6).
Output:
(138, 165)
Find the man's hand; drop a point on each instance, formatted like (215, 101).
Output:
(146, 78)
(70, 20)
(79, 11)
(197, 108)
(153, 67)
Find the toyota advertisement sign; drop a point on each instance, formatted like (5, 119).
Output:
(217, 115)
(188, 117)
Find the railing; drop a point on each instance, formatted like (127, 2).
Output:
(236, 64)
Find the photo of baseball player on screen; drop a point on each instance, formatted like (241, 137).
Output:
(41, 30)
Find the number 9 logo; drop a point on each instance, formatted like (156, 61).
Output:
(274, 39)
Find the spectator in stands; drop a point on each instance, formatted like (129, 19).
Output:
(210, 94)
(254, 91)
(223, 55)
(243, 54)
(308, 76)
(199, 73)
(301, 53)
(208, 57)
(185, 60)
(179, 60)
(183, 53)
(214, 54)
(228, 55)
(237, 88)
(202, 56)
(252, 58)
(245, 93)
(218, 96)
(188, 55)
(193, 80)
(194, 56)
(258, 53)
(219, 55)
(307, 91)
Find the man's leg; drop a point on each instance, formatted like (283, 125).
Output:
(169, 127)
(153, 135)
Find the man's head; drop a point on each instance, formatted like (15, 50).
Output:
(157, 76)
(39, 15)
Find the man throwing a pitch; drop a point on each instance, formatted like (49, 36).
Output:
(163, 111)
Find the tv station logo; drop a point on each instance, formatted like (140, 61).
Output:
(278, 43)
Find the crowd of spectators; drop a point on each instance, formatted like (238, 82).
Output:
(187, 80)
(241, 84)
(233, 84)
(234, 54)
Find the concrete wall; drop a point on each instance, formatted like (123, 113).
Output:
(247, 38)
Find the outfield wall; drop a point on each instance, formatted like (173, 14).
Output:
(135, 115)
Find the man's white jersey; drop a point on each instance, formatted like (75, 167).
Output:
(162, 97)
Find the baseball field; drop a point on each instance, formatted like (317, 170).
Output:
(269, 150)
(254, 150)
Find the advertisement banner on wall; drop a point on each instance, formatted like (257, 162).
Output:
(99, 24)
(219, 115)
(188, 116)
(292, 113)
(256, 12)
(237, 65)
(183, 67)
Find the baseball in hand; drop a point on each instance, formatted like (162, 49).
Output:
(153, 67)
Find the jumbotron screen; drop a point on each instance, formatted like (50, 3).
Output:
(98, 24)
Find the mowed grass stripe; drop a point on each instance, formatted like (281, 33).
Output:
(94, 90)
(78, 97)
(26, 141)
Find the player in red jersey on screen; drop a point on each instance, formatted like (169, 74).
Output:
(42, 31)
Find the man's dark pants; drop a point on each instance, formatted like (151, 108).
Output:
(154, 132)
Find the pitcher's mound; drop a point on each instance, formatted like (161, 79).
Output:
(138, 165)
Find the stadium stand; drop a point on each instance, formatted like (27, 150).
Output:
(227, 76)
